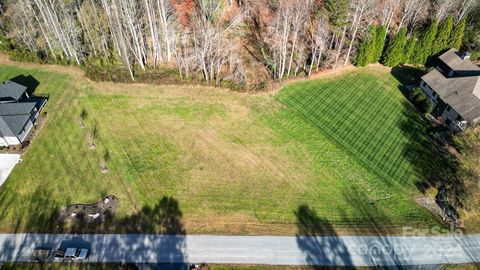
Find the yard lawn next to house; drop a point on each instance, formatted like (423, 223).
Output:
(366, 113)
(236, 163)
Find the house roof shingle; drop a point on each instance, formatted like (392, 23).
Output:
(16, 108)
(14, 116)
(16, 122)
(11, 90)
(454, 61)
(5, 130)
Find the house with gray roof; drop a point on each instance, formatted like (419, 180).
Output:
(454, 88)
(18, 113)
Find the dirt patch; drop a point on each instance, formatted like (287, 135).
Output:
(90, 213)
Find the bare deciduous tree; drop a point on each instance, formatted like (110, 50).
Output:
(318, 36)
(411, 12)
(203, 37)
(465, 7)
(443, 8)
(388, 10)
(359, 9)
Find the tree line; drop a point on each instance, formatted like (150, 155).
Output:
(211, 38)
(411, 49)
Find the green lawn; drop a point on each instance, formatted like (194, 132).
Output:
(235, 163)
(366, 113)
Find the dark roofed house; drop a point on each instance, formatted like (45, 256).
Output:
(454, 88)
(18, 113)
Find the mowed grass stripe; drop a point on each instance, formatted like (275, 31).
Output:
(362, 111)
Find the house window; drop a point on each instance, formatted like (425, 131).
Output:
(434, 94)
(459, 118)
(448, 108)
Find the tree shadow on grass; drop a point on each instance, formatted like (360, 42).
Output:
(38, 215)
(431, 162)
(379, 250)
(29, 81)
(407, 75)
(324, 248)
(159, 240)
(164, 217)
(319, 250)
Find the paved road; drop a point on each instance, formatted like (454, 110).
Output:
(275, 250)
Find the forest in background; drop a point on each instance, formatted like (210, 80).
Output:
(233, 42)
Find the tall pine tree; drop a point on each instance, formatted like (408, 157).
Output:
(337, 14)
(442, 41)
(410, 50)
(362, 57)
(366, 51)
(424, 47)
(379, 43)
(457, 34)
(394, 54)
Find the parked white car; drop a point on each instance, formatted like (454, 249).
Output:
(76, 254)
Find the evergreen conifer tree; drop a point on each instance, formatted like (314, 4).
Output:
(457, 34)
(362, 55)
(424, 46)
(337, 14)
(379, 44)
(366, 51)
(394, 54)
(442, 41)
(410, 50)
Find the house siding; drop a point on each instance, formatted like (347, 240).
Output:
(447, 113)
(25, 131)
(8, 141)
(430, 93)
(450, 114)
(3, 142)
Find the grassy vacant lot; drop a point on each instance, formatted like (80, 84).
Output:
(235, 163)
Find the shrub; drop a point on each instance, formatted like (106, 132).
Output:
(475, 55)
(420, 100)
(261, 86)
(40, 57)
(431, 192)
(23, 56)
(5, 45)
(234, 86)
